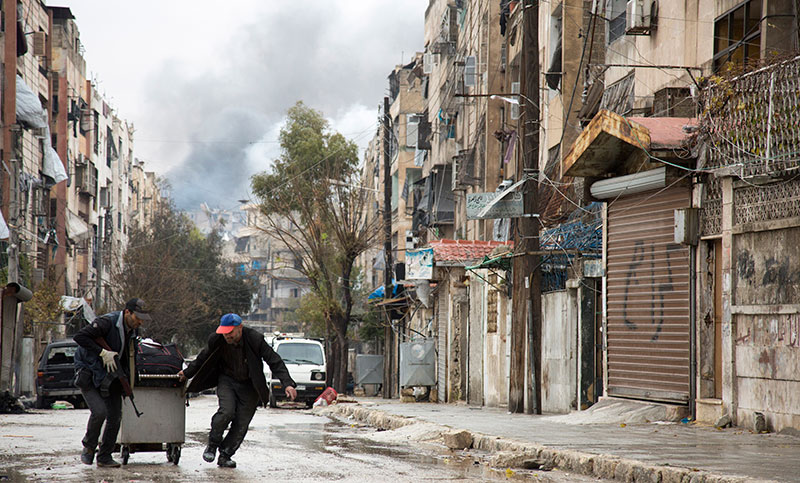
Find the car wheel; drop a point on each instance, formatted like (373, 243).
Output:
(41, 402)
(273, 403)
(309, 404)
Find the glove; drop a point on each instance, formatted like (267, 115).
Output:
(108, 360)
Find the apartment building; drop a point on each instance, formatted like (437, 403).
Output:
(665, 207)
(68, 171)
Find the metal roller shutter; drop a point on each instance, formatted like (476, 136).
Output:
(648, 327)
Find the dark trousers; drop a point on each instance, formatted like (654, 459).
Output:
(106, 409)
(237, 405)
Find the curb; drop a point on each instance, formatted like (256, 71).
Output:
(513, 452)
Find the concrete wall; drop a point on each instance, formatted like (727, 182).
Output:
(476, 359)
(457, 336)
(559, 351)
(766, 292)
(767, 358)
(442, 311)
(496, 350)
(683, 38)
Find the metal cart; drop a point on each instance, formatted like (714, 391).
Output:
(162, 426)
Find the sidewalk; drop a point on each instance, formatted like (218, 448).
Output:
(600, 444)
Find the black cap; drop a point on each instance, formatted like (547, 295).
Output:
(137, 306)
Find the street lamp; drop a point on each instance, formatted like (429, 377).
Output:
(509, 100)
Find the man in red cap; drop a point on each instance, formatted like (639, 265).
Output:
(232, 362)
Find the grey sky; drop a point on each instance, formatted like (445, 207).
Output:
(207, 84)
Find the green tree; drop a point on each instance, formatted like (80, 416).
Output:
(182, 276)
(44, 308)
(312, 201)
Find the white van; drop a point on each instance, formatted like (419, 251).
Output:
(305, 359)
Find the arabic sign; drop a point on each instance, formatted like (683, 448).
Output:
(508, 207)
(419, 264)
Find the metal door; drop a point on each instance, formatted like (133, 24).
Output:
(648, 298)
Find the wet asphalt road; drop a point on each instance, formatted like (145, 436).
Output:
(284, 444)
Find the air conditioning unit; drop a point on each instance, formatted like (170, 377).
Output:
(454, 184)
(429, 60)
(639, 17)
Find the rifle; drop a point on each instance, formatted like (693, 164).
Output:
(127, 390)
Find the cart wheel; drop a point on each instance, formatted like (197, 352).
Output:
(126, 454)
(173, 453)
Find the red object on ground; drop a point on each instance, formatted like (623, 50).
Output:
(329, 395)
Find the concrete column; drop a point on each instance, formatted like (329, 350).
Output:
(728, 328)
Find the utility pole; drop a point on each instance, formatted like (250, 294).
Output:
(98, 298)
(526, 296)
(11, 134)
(388, 340)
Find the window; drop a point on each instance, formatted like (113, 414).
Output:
(61, 355)
(615, 12)
(110, 148)
(470, 72)
(553, 76)
(96, 119)
(412, 130)
(395, 190)
(301, 353)
(737, 35)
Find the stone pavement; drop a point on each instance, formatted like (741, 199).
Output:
(619, 440)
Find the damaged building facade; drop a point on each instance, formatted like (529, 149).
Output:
(665, 174)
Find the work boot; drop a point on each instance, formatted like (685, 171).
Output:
(225, 462)
(87, 456)
(210, 453)
(107, 463)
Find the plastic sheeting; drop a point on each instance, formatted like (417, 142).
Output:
(29, 109)
(52, 167)
(3, 228)
(73, 304)
(31, 114)
(77, 229)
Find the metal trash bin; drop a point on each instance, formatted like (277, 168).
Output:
(162, 425)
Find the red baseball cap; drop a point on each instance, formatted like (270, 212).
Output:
(227, 322)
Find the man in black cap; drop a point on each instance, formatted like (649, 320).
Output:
(95, 369)
(232, 363)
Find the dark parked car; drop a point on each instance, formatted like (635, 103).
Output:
(56, 373)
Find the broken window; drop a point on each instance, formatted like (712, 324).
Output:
(553, 75)
(615, 13)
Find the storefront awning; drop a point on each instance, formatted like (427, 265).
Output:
(607, 143)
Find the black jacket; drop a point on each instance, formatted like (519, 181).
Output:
(110, 327)
(204, 371)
